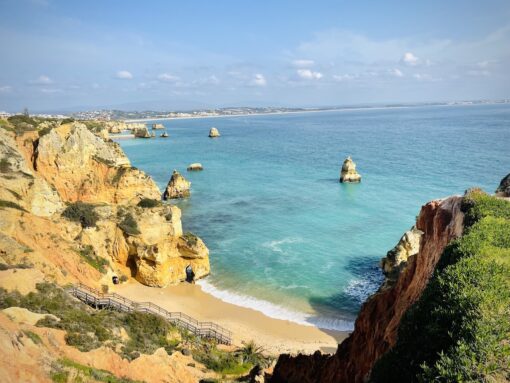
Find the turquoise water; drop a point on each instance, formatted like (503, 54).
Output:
(285, 237)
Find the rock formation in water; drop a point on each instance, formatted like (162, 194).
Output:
(195, 167)
(142, 133)
(178, 187)
(348, 172)
(67, 195)
(376, 327)
(158, 126)
(503, 189)
(115, 127)
(214, 133)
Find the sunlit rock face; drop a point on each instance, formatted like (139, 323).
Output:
(178, 187)
(348, 172)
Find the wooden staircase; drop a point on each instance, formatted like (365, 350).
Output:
(113, 301)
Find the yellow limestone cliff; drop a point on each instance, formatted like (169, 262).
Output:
(69, 168)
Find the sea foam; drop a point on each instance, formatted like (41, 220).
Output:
(275, 311)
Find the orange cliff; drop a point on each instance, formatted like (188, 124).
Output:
(376, 327)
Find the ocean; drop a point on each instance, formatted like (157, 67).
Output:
(285, 237)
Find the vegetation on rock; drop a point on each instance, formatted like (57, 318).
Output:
(144, 333)
(81, 212)
(149, 203)
(459, 329)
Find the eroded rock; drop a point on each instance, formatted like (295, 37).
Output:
(178, 187)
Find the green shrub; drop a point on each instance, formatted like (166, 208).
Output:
(67, 121)
(33, 336)
(128, 225)
(11, 205)
(148, 203)
(459, 329)
(81, 212)
(5, 166)
(190, 238)
(97, 262)
(66, 366)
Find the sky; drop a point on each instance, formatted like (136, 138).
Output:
(178, 55)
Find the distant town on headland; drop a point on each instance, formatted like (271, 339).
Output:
(114, 114)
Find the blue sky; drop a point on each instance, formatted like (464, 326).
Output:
(62, 55)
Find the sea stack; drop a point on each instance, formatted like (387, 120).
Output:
(195, 167)
(142, 132)
(213, 133)
(178, 187)
(157, 126)
(349, 173)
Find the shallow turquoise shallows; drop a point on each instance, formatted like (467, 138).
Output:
(285, 237)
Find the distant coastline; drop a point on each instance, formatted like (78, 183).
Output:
(319, 110)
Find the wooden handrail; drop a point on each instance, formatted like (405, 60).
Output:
(98, 299)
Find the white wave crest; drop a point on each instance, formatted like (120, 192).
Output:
(275, 311)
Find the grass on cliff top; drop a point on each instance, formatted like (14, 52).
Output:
(459, 329)
(88, 329)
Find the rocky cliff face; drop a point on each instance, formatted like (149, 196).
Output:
(42, 175)
(377, 323)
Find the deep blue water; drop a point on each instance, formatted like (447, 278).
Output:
(284, 235)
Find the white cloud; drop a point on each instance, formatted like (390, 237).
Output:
(345, 77)
(303, 63)
(308, 74)
(5, 89)
(476, 72)
(396, 72)
(43, 80)
(51, 90)
(410, 59)
(258, 80)
(124, 75)
(167, 77)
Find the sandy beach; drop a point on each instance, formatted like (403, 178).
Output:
(276, 336)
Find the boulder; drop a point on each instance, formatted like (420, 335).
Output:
(195, 167)
(214, 133)
(178, 187)
(348, 172)
(504, 187)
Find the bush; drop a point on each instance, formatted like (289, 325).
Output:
(128, 225)
(459, 328)
(81, 212)
(5, 166)
(148, 203)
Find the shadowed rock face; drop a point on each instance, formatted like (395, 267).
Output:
(504, 187)
(348, 172)
(376, 326)
(178, 187)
